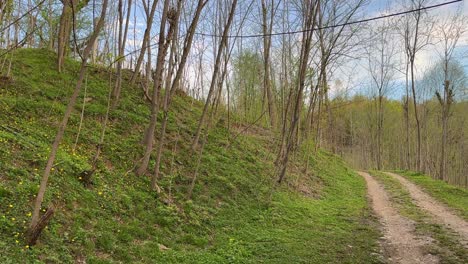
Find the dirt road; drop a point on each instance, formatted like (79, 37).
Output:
(401, 244)
(440, 212)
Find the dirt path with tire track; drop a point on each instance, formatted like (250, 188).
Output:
(401, 244)
(439, 211)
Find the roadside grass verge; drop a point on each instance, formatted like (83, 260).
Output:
(452, 196)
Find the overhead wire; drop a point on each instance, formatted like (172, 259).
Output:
(337, 25)
(21, 17)
(272, 34)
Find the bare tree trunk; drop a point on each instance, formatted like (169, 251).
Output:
(82, 115)
(379, 133)
(146, 41)
(169, 93)
(215, 74)
(330, 124)
(121, 44)
(310, 15)
(170, 90)
(94, 52)
(87, 175)
(406, 110)
(33, 233)
(318, 120)
(58, 138)
(413, 44)
(51, 25)
(31, 27)
(69, 10)
(266, 55)
(148, 71)
(167, 97)
(445, 116)
(416, 117)
(64, 32)
(162, 51)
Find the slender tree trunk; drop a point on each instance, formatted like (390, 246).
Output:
(167, 96)
(145, 43)
(407, 130)
(330, 127)
(87, 175)
(215, 74)
(31, 26)
(318, 120)
(379, 132)
(162, 51)
(310, 19)
(122, 40)
(266, 55)
(416, 117)
(69, 10)
(58, 138)
(64, 33)
(445, 116)
(170, 90)
(51, 26)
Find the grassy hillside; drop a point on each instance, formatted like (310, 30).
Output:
(233, 217)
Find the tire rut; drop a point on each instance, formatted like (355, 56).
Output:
(440, 212)
(400, 244)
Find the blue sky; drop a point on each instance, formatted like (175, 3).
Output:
(424, 60)
(352, 73)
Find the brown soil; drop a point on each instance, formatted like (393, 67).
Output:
(441, 213)
(400, 243)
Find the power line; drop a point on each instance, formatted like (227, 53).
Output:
(21, 17)
(333, 26)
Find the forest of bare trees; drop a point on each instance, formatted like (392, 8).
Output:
(290, 66)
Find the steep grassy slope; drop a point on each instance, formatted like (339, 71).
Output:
(318, 217)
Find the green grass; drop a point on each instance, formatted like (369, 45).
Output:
(447, 245)
(452, 196)
(233, 216)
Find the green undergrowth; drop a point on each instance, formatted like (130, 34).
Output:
(447, 245)
(320, 216)
(452, 196)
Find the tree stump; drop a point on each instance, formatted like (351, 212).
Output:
(35, 231)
